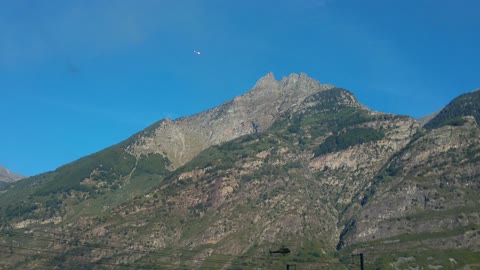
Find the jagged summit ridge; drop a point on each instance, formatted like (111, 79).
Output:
(295, 82)
(267, 81)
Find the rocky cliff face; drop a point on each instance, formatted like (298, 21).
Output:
(291, 163)
(426, 198)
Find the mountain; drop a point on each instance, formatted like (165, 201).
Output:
(184, 138)
(465, 105)
(425, 119)
(426, 199)
(290, 164)
(7, 176)
(166, 145)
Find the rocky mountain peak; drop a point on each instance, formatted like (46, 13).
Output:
(8, 176)
(265, 82)
(291, 83)
(253, 112)
(300, 81)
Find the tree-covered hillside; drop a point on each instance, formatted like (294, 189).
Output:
(465, 105)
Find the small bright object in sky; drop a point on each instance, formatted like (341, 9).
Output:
(196, 52)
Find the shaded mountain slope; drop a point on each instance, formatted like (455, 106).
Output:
(465, 105)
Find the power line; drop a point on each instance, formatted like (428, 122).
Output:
(49, 253)
(361, 260)
(185, 258)
(158, 253)
(113, 247)
(28, 255)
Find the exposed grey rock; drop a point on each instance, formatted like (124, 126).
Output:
(424, 119)
(8, 176)
(182, 139)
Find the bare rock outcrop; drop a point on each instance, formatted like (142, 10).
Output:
(182, 139)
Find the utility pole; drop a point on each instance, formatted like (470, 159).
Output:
(361, 260)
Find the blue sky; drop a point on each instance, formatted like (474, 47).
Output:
(78, 76)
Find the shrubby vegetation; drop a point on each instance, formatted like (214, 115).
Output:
(112, 163)
(349, 138)
(455, 122)
(152, 164)
(20, 209)
(334, 112)
(464, 105)
(225, 156)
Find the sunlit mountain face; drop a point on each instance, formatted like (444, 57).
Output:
(292, 164)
